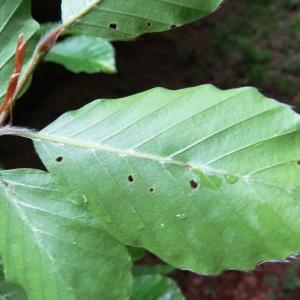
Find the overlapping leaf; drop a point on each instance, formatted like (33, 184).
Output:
(204, 178)
(115, 19)
(81, 53)
(15, 19)
(9, 291)
(52, 247)
(155, 287)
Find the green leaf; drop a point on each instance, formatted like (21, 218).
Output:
(52, 247)
(115, 19)
(136, 253)
(84, 54)
(15, 19)
(206, 179)
(154, 270)
(155, 287)
(9, 291)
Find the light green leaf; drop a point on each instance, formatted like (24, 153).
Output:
(204, 178)
(52, 247)
(155, 287)
(84, 54)
(115, 19)
(15, 19)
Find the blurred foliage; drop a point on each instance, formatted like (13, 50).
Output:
(258, 42)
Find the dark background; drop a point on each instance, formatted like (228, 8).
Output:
(246, 42)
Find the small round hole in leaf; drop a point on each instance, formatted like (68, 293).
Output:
(113, 26)
(149, 24)
(193, 184)
(59, 159)
(173, 26)
(151, 190)
(130, 178)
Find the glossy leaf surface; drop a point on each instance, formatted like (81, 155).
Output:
(204, 178)
(52, 247)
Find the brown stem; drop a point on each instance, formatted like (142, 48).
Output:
(16, 85)
(13, 82)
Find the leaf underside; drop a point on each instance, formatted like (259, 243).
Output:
(15, 19)
(204, 178)
(122, 20)
(52, 247)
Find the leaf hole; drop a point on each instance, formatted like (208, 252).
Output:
(149, 24)
(173, 26)
(113, 26)
(59, 159)
(130, 178)
(193, 184)
(151, 190)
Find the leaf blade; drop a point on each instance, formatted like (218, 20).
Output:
(127, 19)
(176, 177)
(155, 287)
(54, 248)
(84, 54)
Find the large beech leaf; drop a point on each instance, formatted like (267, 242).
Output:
(204, 178)
(52, 247)
(115, 19)
(15, 19)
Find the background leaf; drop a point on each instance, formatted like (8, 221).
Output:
(136, 253)
(15, 18)
(115, 19)
(9, 291)
(155, 287)
(206, 179)
(52, 247)
(152, 270)
(84, 54)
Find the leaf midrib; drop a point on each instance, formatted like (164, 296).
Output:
(93, 147)
(81, 13)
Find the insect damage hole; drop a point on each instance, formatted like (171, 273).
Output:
(149, 24)
(59, 159)
(151, 190)
(113, 26)
(193, 184)
(130, 178)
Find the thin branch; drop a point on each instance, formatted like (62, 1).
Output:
(43, 47)
(12, 85)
